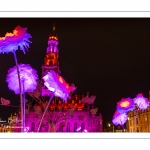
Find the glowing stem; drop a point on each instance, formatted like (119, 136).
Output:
(45, 111)
(21, 101)
(122, 126)
(24, 107)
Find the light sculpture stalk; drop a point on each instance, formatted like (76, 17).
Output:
(24, 107)
(21, 100)
(51, 97)
(10, 43)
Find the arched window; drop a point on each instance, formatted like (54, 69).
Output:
(51, 63)
(82, 126)
(33, 127)
(75, 126)
(68, 127)
(60, 127)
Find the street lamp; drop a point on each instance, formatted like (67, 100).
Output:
(109, 124)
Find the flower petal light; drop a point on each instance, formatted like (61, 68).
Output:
(125, 105)
(58, 85)
(142, 102)
(11, 41)
(119, 118)
(28, 77)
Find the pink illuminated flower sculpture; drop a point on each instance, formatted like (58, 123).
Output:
(58, 85)
(142, 102)
(28, 78)
(11, 41)
(125, 105)
(119, 118)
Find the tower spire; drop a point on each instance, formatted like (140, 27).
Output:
(54, 27)
(53, 30)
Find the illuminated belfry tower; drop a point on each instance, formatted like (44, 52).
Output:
(51, 59)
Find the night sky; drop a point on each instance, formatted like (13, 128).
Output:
(107, 57)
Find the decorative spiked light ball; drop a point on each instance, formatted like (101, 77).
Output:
(125, 105)
(119, 118)
(28, 78)
(58, 85)
(141, 102)
(11, 41)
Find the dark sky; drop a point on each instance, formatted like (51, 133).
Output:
(108, 57)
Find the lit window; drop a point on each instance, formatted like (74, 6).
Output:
(130, 122)
(145, 118)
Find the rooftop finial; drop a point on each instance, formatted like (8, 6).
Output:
(53, 34)
(54, 27)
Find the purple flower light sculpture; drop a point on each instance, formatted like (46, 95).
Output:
(142, 102)
(28, 78)
(125, 105)
(11, 41)
(119, 118)
(58, 85)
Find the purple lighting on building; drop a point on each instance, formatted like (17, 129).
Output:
(28, 78)
(119, 118)
(58, 85)
(79, 130)
(125, 105)
(52, 46)
(26, 129)
(142, 102)
(85, 130)
(11, 41)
